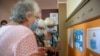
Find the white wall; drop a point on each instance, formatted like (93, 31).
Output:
(72, 5)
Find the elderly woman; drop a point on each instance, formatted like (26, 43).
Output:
(52, 40)
(16, 39)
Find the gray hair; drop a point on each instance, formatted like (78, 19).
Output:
(21, 8)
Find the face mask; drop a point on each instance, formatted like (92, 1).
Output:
(51, 30)
(39, 33)
(34, 26)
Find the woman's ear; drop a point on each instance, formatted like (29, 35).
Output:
(28, 15)
(30, 18)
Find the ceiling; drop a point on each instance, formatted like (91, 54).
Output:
(47, 4)
(62, 0)
(44, 4)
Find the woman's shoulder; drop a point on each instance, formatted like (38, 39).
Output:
(17, 28)
(24, 29)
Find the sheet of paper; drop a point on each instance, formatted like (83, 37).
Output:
(54, 16)
(70, 37)
(93, 39)
(78, 39)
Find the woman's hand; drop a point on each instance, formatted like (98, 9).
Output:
(42, 50)
(54, 49)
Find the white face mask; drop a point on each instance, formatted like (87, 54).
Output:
(39, 32)
(51, 30)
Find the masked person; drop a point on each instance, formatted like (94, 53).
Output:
(16, 38)
(52, 40)
(39, 32)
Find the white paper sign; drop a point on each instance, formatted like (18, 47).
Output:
(55, 28)
(93, 39)
(70, 37)
(54, 16)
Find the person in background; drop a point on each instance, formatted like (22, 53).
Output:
(3, 22)
(16, 38)
(38, 29)
(40, 33)
(52, 40)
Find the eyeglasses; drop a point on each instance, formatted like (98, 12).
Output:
(36, 17)
(50, 26)
(41, 28)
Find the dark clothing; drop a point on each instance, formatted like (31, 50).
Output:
(53, 44)
(49, 53)
(40, 40)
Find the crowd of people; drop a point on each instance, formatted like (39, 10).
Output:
(27, 34)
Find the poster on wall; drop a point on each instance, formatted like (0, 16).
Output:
(78, 39)
(55, 17)
(93, 39)
(70, 37)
